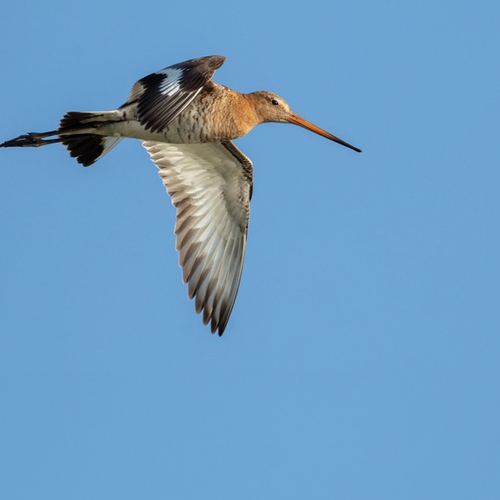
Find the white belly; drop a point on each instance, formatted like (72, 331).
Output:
(188, 127)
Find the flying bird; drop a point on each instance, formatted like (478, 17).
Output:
(187, 123)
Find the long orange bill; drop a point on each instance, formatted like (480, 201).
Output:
(297, 120)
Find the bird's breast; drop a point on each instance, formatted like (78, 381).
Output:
(216, 115)
(194, 124)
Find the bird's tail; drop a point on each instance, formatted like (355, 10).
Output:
(75, 132)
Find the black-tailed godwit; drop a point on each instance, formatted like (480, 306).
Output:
(187, 123)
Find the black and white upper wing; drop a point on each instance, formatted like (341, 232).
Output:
(211, 186)
(161, 96)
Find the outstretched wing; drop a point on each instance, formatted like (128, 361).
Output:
(161, 96)
(210, 185)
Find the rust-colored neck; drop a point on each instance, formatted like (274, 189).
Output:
(249, 106)
(233, 114)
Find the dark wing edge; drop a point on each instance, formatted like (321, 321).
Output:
(163, 95)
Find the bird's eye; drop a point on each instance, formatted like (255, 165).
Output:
(274, 102)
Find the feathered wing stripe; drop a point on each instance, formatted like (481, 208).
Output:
(210, 185)
(163, 95)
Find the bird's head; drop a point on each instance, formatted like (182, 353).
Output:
(273, 108)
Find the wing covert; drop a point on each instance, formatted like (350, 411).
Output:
(161, 96)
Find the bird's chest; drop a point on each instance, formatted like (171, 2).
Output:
(190, 126)
(204, 120)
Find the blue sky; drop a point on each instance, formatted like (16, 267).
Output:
(361, 359)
